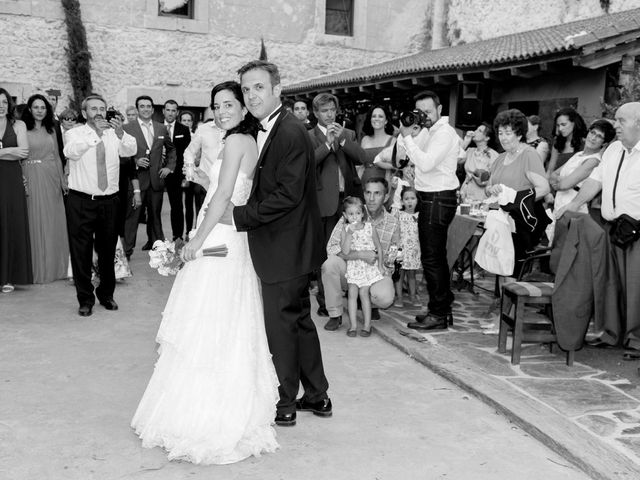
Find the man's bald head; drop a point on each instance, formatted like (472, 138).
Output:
(628, 124)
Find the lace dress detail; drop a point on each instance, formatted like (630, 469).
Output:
(360, 272)
(212, 397)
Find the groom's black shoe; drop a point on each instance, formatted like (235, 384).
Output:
(322, 408)
(286, 419)
(333, 323)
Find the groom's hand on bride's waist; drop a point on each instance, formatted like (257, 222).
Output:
(227, 216)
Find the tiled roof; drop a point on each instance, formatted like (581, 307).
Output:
(558, 39)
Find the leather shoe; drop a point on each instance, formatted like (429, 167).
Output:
(375, 314)
(322, 408)
(85, 310)
(286, 419)
(322, 311)
(333, 323)
(429, 322)
(147, 246)
(109, 304)
(424, 316)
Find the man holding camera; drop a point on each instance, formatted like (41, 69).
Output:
(618, 177)
(432, 145)
(336, 154)
(94, 151)
(152, 138)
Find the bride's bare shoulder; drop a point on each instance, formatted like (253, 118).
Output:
(240, 141)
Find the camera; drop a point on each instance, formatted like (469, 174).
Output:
(112, 113)
(413, 117)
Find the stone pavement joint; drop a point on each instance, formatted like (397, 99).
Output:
(588, 416)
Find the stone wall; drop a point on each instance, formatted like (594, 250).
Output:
(129, 58)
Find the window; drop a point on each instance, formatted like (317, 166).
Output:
(339, 18)
(176, 8)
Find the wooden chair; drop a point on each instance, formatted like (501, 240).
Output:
(512, 317)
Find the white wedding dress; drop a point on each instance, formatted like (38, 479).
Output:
(212, 397)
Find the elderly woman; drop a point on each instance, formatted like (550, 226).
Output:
(15, 252)
(568, 179)
(569, 134)
(520, 168)
(47, 183)
(478, 163)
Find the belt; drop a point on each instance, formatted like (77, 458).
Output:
(30, 162)
(431, 195)
(88, 196)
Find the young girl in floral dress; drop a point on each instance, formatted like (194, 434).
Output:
(358, 234)
(410, 245)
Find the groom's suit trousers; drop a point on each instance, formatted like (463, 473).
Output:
(293, 341)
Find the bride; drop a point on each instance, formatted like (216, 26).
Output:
(212, 396)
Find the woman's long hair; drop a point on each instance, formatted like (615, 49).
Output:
(10, 106)
(27, 116)
(249, 125)
(579, 130)
(367, 128)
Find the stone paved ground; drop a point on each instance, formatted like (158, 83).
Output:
(598, 405)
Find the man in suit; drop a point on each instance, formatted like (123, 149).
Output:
(301, 112)
(283, 224)
(180, 136)
(52, 97)
(152, 137)
(336, 153)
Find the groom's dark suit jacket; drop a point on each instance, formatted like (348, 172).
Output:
(282, 217)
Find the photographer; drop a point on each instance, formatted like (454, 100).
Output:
(94, 152)
(432, 145)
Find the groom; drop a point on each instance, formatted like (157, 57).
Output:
(284, 231)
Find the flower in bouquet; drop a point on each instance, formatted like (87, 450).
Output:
(165, 257)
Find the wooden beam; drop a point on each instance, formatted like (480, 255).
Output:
(607, 57)
(402, 86)
(335, 91)
(519, 72)
(366, 88)
(444, 79)
(422, 82)
(460, 77)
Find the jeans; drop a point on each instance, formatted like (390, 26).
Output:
(437, 211)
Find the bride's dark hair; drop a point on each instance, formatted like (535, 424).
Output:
(249, 125)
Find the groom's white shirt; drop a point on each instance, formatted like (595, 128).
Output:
(267, 125)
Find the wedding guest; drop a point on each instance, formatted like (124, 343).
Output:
(132, 114)
(519, 167)
(568, 179)
(378, 134)
(334, 267)
(68, 120)
(535, 140)
(206, 144)
(180, 136)
(187, 119)
(15, 251)
(152, 140)
(94, 152)
(47, 183)
(569, 134)
(52, 99)
(618, 177)
(410, 245)
(301, 112)
(358, 235)
(478, 162)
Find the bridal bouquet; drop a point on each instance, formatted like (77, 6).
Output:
(165, 256)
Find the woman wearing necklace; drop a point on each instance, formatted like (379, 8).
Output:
(46, 184)
(570, 131)
(378, 134)
(520, 168)
(478, 163)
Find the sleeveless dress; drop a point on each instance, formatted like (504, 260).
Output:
(360, 272)
(409, 240)
(15, 252)
(212, 397)
(371, 170)
(47, 218)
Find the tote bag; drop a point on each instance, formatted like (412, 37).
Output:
(495, 251)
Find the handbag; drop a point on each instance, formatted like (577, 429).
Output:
(625, 231)
(495, 252)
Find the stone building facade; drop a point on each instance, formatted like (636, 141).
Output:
(136, 50)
